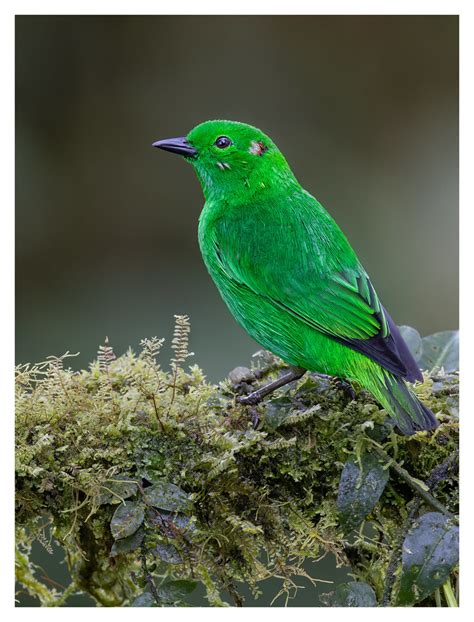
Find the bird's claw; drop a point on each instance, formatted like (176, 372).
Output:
(255, 418)
(248, 400)
(252, 401)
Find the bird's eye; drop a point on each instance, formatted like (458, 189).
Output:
(223, 142)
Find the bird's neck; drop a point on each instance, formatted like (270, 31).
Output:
(247, 186)
(242, 206)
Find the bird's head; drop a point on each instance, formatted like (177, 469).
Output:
(231, 158)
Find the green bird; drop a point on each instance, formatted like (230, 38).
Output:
(289, 275)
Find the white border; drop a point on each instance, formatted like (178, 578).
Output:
(244, 7)
(113, 7)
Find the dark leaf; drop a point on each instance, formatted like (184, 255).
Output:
(170, 524)
(151, 474)
(125, 545)
(166, 496)
(352, 594)
(413, 340)
(380, 431)
(441, 350)
(167, 553)
(172, 591)
(359, 491)
(127, 519)
(144, 600)
(277, 410)
(452, 405)
(430, 551)
(182, 522)
(118, 488)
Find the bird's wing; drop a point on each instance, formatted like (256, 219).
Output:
(350, 312)
(340, 304)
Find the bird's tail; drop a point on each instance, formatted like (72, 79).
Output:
(409, 414)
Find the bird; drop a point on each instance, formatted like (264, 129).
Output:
(289, 275)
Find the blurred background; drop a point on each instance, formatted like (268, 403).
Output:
(365, 108)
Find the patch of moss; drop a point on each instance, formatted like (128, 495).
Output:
(259, 502)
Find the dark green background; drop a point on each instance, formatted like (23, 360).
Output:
(365, 109)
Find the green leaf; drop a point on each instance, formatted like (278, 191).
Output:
(380, 431)
(127, 519)
(150, 473)
(144, 600)
(178, 590)
(359, 491)
(277, 410)
(118, 488)
(317, 384)
(175, 591)
(166, 496)
(125, 545)
(413, 340)
(352, 594)
(430, 551)
(438, 350)
(441, 350)
(452, 405)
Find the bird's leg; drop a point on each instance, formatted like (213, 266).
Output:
(257, 396)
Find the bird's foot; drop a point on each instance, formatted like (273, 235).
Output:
(294, 373)
(250, 400)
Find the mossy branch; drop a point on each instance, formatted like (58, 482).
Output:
(154, 480)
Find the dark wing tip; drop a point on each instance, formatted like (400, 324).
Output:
(390, 352)
(413, 371)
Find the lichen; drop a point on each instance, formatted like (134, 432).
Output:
(260, 500)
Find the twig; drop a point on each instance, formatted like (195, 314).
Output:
(236, 597)
(390, 573)
(420, 487)
(152, 397)
(148, 577)
(449, 594)
(440, 472)
(53, 582)
(447, 391)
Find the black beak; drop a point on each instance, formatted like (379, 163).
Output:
(176, 145)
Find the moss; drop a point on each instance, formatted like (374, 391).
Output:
(261, 501)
